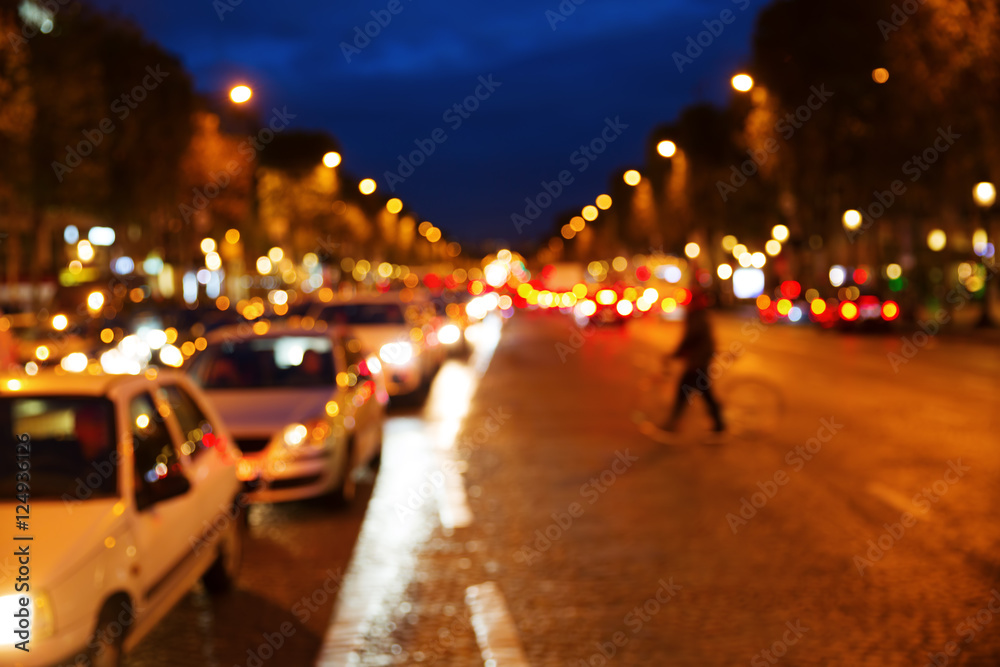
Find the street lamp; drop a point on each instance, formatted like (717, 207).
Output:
(331, 159)
(851, 220)
(666, 148)
(632, 177)
(985, 194)
(742, 82)
(367, 186)
(240, 94)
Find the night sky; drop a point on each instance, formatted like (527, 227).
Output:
(607, 59)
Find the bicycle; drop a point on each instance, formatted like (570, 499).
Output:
(752, 406)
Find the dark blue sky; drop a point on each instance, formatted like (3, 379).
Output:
(609, 58)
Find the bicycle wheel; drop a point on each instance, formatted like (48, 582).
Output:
(751, 405)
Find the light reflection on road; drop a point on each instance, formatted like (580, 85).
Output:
(415, 489)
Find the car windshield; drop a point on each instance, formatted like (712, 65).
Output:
(266, 363)
(73, 456)
(364, 313)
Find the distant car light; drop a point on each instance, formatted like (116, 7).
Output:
(396, 354)
(890, 311)
(449, 334)
(849, 311)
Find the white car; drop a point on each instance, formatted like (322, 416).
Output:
(409, 351)
(128, 491)
(306, 408)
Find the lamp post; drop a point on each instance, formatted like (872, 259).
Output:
(985, 195)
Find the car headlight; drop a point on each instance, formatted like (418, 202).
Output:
(314, 433)
(396, 354)
(37, 614)
(449, 334)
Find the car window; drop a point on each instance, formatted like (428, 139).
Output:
(155, 457)
(74, 454)
(267, 363)
(195, 427)
(363, 314)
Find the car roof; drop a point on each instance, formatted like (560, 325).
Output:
(57, 382)
(277, 329)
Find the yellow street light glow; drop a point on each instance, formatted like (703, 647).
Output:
(725, 271)
(984, 193)
(263, 266)
(207, 245)
(275, 254)
(880, 75)
(779, 233)
(85, 251)
(434, 235)
(240, 94)
(95, 301)
(729, 242)
(758, 260)
(567, 232)
(742, 82)
(394, 205)
(42, 352)
(692, 250)
(331, 159)
(666, 148)
(739, 250)
(60, 322)
(851, 219)
(632, 177)
(367, 186)
(772, 248)
(213, 262)
(603, 202)
(425, 227)
(893, 271)
(745, 260)
(937, 240)
(577, 223)
(589, 213)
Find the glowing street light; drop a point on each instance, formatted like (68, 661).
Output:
(666, 148)
(603, 202)
(632, 177)
(394, 205)
(880, 75)
(367, 186)
(851, 219)
(331, 159)
(589, 213)
(985, 194)
(742, 82)
(779, 233)
(937, 240)
(240, 94)
(692, 250)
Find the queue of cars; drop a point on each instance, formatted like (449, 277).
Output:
(142, 480)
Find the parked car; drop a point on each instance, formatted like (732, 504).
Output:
(398, 332)
(306, 408)
(132, 496)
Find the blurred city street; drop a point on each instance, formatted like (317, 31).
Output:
(662, 514)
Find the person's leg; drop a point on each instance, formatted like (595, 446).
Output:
(684, 387)
(714, 409)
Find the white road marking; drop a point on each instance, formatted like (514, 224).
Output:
(499, 643)
(894, 499)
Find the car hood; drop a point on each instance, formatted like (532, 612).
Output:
(66, 534)
(251, 413)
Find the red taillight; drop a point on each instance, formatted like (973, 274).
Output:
(890, 311)
(848, 311)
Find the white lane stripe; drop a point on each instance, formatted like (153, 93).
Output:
(499, 643)
(894, 499)
(454, 504)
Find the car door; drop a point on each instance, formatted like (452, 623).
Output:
(163, 502)
(361, 397)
